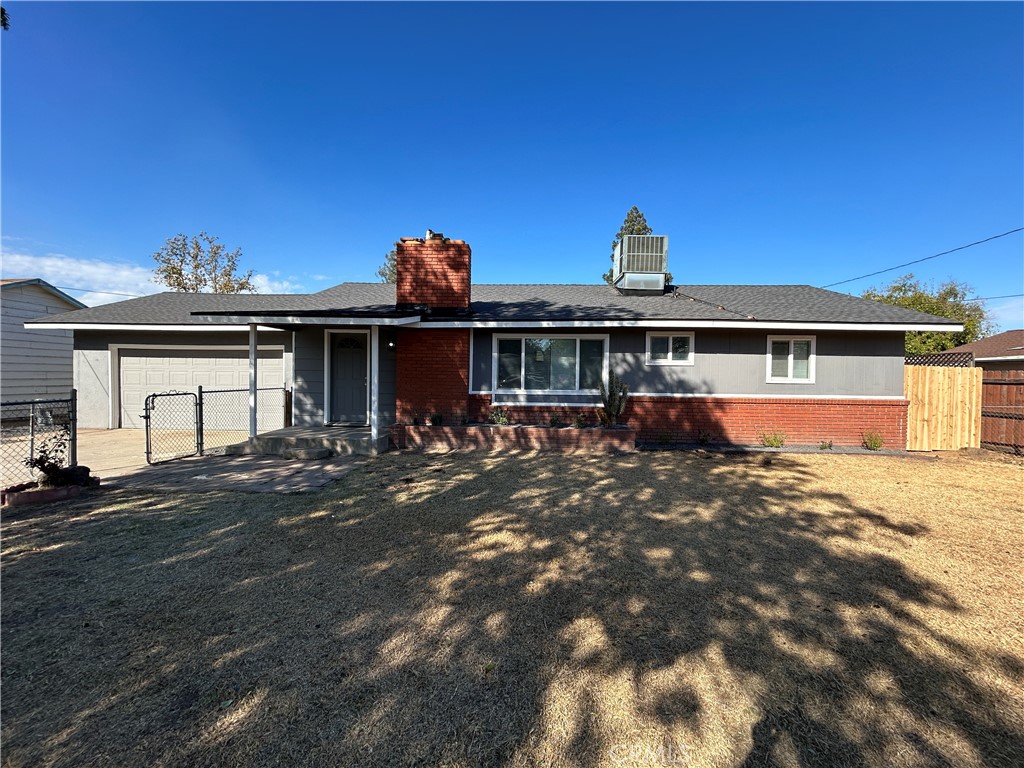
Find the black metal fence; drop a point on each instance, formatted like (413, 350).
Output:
(180, 424)
(29, 426)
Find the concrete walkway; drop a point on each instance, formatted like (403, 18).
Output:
(118, 458)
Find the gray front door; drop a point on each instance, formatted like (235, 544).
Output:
(348, 378)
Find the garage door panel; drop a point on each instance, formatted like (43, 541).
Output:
(143, 373)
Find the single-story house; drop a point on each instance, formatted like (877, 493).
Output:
(721, 361)
(35, 363)
(1002, 352)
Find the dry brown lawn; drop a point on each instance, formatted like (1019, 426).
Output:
(530, 610)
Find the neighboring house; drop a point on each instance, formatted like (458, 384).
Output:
(35, 363)
(726, 361)
(1002, 352)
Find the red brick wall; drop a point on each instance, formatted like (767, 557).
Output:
(433, 374)
(736, 420)
(434, 272)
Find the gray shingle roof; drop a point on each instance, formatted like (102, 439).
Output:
(523, 302)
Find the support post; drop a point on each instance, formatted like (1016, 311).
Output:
(199, 420)
(374, 386)
(73, 428)
(252, 380)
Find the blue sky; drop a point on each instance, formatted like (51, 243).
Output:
(773, 143)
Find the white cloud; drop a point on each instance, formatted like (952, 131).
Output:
(265, 284)
(1008, 314)
(89, 280)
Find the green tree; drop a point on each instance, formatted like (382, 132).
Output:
(388, 271)
(634, 224)
(950, 299)
(5, 20)
(200, 264)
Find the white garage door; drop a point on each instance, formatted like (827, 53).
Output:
(144, 372)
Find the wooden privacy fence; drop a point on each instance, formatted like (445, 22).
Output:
(945, 407)
(1002, 410)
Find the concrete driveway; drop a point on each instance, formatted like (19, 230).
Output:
(112, 452)
(118, 458)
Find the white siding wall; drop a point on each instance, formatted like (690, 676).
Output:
(34, 363)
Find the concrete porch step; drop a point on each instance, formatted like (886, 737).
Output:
(309, 443)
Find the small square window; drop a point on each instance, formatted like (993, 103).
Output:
(791, 359)
(670, 348)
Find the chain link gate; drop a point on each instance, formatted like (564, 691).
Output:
(173, 428)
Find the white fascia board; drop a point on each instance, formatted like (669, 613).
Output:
(292, 320)
(766, 324)
(142, 327)
(1007, 359)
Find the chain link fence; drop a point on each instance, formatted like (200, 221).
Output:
(172, 426)
(180, 424)
(224, 414)
(28, 426)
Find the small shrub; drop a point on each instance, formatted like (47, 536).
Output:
(435, 419)
(613, 400)
(703, 438)
(50, 458)
(554, 421)
(578, 421)
(664, 438)
(774, 439)
(873, 441)
(500, 417)
(825, 445)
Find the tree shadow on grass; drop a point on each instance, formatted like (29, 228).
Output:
(495, 610)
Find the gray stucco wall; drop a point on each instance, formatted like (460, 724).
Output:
(92, 374)
(732, 362)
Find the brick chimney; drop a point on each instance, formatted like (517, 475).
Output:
(433, 271)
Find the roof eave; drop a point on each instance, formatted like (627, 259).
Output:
(47, 287)
(682, 323)
(307, 319)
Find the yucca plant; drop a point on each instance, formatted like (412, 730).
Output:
(613, 400)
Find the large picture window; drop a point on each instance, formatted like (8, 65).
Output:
(791, 359)
(549, 363)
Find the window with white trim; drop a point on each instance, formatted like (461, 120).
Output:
(670, 348)
(549, 363)
(790, 360)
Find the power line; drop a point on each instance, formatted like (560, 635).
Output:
(926, 258)
(93, 290)
(990, 298)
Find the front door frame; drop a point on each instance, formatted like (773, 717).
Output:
(328, 367)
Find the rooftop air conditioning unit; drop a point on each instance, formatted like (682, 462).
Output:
(641, 263)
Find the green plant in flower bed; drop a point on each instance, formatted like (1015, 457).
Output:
(435, 419)
(873, 441)
(50, 457)
(578, 421)
(825, 445)
(703, 438)
(500, 417)
(774, 439)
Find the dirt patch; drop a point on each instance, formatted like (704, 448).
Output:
(521, 610)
